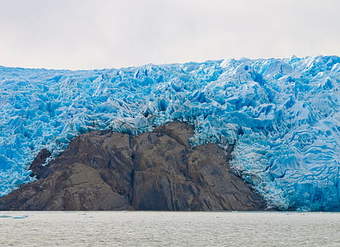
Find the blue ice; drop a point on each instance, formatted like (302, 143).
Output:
(282, 114)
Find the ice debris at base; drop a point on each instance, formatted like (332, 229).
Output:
(283, 115)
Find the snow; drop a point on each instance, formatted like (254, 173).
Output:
(282, 114)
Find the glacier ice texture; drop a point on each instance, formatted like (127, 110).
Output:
(281, 114)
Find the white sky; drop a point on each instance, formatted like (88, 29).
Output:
(85, 34)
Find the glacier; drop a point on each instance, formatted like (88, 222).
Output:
(281, 114)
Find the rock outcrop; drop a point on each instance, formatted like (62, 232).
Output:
(158, 170)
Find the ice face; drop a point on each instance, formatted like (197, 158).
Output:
(282, 114)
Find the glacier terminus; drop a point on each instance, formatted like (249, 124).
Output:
(282, 115)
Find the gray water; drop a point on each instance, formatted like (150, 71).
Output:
(169, 229)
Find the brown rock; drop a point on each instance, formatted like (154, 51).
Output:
(158, 170)
(37, 168)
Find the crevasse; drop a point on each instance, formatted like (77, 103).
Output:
(281, 114)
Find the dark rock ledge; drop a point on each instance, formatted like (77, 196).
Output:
(158, 170)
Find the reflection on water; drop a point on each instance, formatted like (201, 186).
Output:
(169, 229)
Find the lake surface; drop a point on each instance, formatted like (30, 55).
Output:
(169, 229)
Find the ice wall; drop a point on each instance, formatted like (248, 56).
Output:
(282, 114)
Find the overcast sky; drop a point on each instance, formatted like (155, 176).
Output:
(85, 34)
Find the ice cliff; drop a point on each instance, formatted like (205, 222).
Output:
(282, 114)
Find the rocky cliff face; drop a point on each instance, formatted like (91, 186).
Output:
(158, 170)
